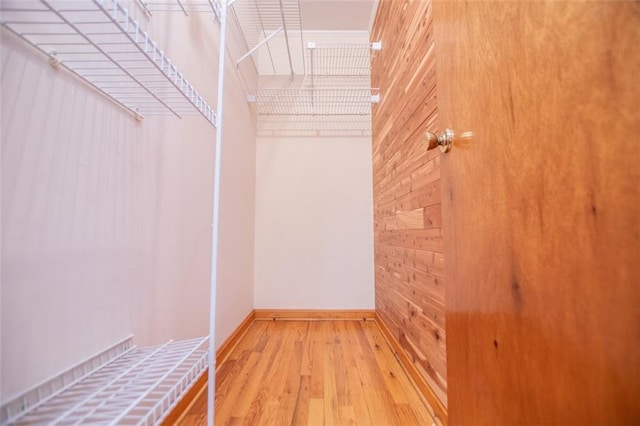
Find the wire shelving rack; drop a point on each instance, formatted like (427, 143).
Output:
(183, 6)
(334, 98)
(99, 42)
(332, 79)
(313, 101)
(339, 59)
(124, 385)
(314, 125)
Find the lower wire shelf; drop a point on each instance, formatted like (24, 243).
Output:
(136, 386)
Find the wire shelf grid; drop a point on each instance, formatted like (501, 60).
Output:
(182, 6)
(260, 19)
(312, 101)
(100, 43)
(335, 78)
(336, 86)
(138, 387)
(46, 390)
(343, 59)
(317, 125)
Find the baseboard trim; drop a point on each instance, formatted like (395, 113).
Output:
(439, 410)
(223, 352)
(230, 343)
(314, 314)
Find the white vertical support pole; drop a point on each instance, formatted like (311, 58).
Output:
(211, 391)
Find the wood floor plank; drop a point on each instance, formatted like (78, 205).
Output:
(347, 415)
(331, 407)
(317, 366)
(312, 373)
(391, 370)
(360, 407)
(227, 379)
(248, 397)
(287, 396)
(379, 399)
(316, 412)
(301, 411)
(339, 365)
(331, 399)
(307, 354)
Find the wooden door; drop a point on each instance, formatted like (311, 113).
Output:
(541, 209)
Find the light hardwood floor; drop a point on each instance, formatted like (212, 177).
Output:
(312, 373)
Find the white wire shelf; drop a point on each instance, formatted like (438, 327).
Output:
(313, 101)
(336, 87)
(182, 6)
(339, 59)
(333, 93)
(40, 393)
(260, 20)
(135, 386)
(318, 125)
(99, 42)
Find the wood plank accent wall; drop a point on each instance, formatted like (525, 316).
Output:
(409, 261)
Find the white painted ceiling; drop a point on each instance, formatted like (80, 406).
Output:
(337, 15)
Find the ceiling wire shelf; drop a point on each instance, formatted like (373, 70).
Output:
(261, 20)
(181, 6)
(257, 21)
(325, 86)
(339, 59)
(337, 84)
(100, 43)
(124, 385)
(314, 125)
(313, 101)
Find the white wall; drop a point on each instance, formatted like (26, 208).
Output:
(106, 222)
(237, 211)
(314, 223)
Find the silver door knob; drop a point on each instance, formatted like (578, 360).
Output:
(444, 141)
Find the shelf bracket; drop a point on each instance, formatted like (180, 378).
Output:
(215, 7)
(182, 7)
(258, 46)
(145, 8)
(54, 61)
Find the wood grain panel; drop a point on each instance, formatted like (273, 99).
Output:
(541, 211)
(409, 258)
